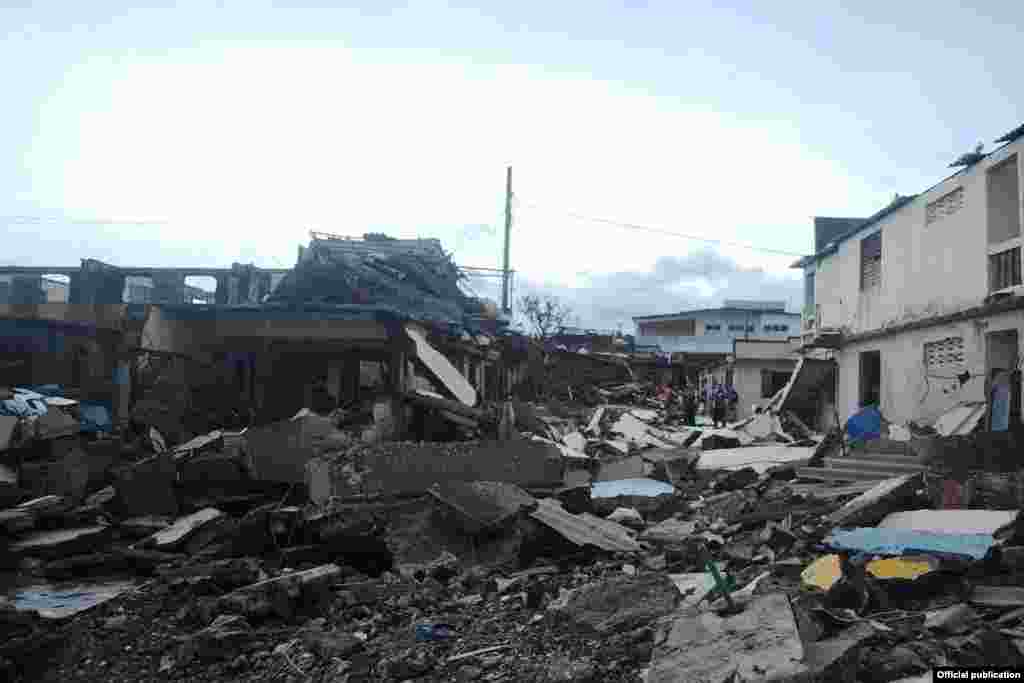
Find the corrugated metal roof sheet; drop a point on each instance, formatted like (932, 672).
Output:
(585, 529)
(961, 419)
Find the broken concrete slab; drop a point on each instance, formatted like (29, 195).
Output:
(575, 441)
(874, 505)
(440, 367)
(62, 542)
(670, 531)
(950, 521)
(954, 619)
(585, 529)
(997, 596)
(636, 431)
(621, 603)
(760, 458)
(481, 505)
(281, 594)
(397, 469)
(630, 467)
(182, 529)
(762, 643)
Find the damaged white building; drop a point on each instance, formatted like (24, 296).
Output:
(921, 304)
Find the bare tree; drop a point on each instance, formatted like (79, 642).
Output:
(545, 315)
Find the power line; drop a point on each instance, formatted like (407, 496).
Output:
(36, 220)
(661, 231)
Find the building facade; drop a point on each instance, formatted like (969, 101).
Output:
(920, 305)
(713, 330)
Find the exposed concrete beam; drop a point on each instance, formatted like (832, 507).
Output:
(134, 271)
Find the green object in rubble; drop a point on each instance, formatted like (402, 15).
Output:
(724, 584)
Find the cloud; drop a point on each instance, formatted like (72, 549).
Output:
(701, 279)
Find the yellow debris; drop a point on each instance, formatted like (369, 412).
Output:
(902, 567)
(822, 573)
(825, 571)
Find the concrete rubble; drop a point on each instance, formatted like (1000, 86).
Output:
(599, 539)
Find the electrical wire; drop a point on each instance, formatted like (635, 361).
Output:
(660, 231)
(36, 220)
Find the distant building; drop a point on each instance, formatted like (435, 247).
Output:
(682, 344)
(713, 330)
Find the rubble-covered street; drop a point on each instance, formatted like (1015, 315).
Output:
(662, 553)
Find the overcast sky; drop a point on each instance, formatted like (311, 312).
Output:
(231, 129)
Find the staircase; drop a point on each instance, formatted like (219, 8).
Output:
(876, 460)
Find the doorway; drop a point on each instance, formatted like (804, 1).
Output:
(870, 378)
(1003, 379)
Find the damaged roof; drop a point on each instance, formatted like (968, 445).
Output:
(414, 277)
(833, 244)
(1012, 135)
(721, 309)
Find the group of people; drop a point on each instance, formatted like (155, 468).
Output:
(719, 401)
(723, 399)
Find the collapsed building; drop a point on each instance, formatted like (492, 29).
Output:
(354, 322)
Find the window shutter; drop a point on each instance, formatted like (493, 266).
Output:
(871, 261)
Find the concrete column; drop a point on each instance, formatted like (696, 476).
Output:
(397, 384)
(223, 295)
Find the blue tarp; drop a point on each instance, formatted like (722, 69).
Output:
(24, 404)
(1000, 402)
(630, 487)
(875, 541)
(867, 424)
(95, 417)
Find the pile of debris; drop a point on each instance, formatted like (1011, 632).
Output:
(607, 544)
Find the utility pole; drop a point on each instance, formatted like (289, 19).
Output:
(505, 303)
